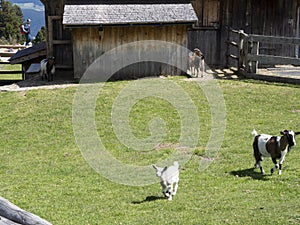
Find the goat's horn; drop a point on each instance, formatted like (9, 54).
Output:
(296, 133)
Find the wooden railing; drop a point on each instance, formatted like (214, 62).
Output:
(248, 56)
(7, 54)
(232, 55)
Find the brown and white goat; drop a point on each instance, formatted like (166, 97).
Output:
(48, 68)
(276, 147)
(196, 63)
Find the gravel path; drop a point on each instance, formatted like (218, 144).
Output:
(36, 83)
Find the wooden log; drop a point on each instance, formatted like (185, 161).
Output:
(273, 60)
(274, 39)
(15, 214)
(4, 221)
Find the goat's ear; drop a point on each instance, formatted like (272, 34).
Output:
(296, 133)
(154, 166)
(164, 169)
(281, 132)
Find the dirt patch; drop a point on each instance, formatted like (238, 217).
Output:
(34, 83)
(296, 110)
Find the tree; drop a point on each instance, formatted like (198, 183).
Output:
(11, 17)
(40, 36)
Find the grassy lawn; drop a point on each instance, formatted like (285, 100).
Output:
(6, 67)
(42, 169)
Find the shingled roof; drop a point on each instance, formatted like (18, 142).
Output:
(120, 14)
(26, 54)
(119, 2)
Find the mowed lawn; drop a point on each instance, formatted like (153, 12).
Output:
(43, 171)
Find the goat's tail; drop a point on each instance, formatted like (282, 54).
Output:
(176, 164)
(254, 133)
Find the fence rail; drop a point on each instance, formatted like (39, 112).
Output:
(246, 51)
(6, 53)
(232, 48)
(10, 72)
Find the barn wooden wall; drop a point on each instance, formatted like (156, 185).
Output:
(58, 39)
(206, 34)
(267, 17)
(89, 44)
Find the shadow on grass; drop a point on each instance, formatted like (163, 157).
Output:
(251, 173)
(149, 199)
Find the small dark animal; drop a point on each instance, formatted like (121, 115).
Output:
(276, 147)
(48, 68)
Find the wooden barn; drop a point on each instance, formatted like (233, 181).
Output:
(267, 17)
(79, 31)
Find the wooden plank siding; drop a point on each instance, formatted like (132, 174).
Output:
(58, 41)
(268, 17)
(215, 17)
(89, 44)
(206, 33)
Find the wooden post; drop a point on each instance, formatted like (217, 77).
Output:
(23, 72)
(297, 32)
(246, 51)
(243, 51)
(241, 47)
(254, 51)
(228, 48)
(15, 215)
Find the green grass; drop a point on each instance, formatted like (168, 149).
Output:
(42, 169)
(8, 67)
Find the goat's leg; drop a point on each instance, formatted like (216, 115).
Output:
(168, 192)
(175, 188)
(280, 162)
(193, 70)
(164, 189)
(258, 157)
(196, 71)
(275, 165)
(258, 164)
(202, 67)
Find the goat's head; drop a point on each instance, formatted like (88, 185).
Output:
(51, 60)
(290, 137)
(198, 52)
(159, 170)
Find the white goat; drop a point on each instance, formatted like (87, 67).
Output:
(47, 68)
(196, 63)
(169, 178)
(276, 147)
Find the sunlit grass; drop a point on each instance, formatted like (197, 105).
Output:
(9, 67)
(42, 169)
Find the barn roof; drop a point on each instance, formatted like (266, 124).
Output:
(26, 54)
(120, 14)
(85, 2)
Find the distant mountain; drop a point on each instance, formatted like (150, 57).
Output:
(35, 11)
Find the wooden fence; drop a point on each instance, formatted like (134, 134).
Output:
(245, 50)
(7, 54)
(232, 53)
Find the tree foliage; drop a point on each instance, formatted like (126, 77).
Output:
(40, 36)
(11, 17)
